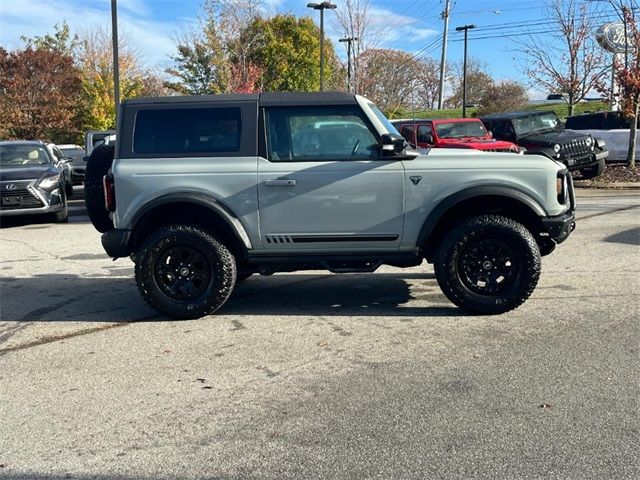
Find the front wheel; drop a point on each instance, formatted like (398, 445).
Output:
(488, 264)
(183, 272)
(593, 171)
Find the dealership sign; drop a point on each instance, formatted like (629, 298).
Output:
(611, 37)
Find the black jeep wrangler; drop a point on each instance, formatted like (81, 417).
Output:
(542, 132)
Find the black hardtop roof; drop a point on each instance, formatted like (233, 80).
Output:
(509, 115)
(264, 99)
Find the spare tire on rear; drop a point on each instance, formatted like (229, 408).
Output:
(98, 166)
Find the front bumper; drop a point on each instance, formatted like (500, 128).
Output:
(560, 227)
(49, 203)
(116, 243)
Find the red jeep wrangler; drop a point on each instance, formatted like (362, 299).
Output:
(451, 133)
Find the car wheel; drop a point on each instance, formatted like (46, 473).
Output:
(488, 264)
(98, 166)
(593, 171)
(183, 272)
(68, 189)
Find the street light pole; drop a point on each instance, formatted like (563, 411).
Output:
(466, 29)
(322, 6)
(348, 40)
(116, 67)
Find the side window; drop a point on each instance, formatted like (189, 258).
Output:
(424, 134)
(408, 133)
(503, 129)
(187, 130)
(319, 134)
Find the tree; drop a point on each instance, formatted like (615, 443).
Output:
(214, 58)
(628, 78)
(427, 86)
(388, 77)
(502, 96)
(567, 60)
(287, 49)
(40, 90)
(95, 60)
(353, 19)
(477, 82)
(61, 41)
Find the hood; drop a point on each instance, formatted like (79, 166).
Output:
(12, 174)
(549, 139)
(478, 143)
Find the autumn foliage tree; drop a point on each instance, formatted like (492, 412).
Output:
(628, 78)
(40, 91)
(567, 60)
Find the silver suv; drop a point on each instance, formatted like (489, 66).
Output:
(205, 191)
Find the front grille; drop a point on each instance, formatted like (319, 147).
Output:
(18, 195)
(575, 148)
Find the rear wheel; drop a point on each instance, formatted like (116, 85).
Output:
(98, 166)
(488, 264)
(183, 272)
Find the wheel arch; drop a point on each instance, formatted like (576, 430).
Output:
(473, 201)
(195, 209)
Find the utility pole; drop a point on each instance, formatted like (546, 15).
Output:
(466, 29)
(443, 60)
(348, 41)
(322, 6)
(116, 67)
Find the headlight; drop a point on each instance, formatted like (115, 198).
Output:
(556, 148)
(589, 141)
(49, 183)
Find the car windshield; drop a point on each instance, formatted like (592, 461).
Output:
(385, 121)
(536, 123)
(22, 155)
(460, 129)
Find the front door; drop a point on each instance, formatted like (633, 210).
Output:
(323, 185)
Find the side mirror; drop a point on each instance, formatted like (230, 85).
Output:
(490, 133)
(392, 144)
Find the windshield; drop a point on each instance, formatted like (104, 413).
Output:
(536, 123)
(385, 121)
(460, 129)
(22, 155)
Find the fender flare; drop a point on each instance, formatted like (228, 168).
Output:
(198, 199)
(479, 191)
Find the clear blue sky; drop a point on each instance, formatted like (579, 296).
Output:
(411, 25)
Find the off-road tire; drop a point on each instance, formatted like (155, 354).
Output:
(98, 166)
(449, 271)
(593, 171)
(221, 265)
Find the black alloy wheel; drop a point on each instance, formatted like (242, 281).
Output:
(182, 272)
(488, 266)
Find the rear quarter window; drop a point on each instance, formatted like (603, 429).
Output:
(184, 131)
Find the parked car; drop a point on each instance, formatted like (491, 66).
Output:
(612, 127)
(30, 182)
(451, 133)
(542, 132)
(95, 137)
(76, 153)
(64, 165)
(206, 190)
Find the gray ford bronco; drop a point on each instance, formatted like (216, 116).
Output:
(202, 192)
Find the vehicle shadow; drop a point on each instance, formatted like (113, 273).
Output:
(73, 298)
(628, 237)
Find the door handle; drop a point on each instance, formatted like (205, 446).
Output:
(281, 182)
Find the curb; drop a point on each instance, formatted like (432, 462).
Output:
(607, 186)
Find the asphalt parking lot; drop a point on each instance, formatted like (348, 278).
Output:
(315, 375)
